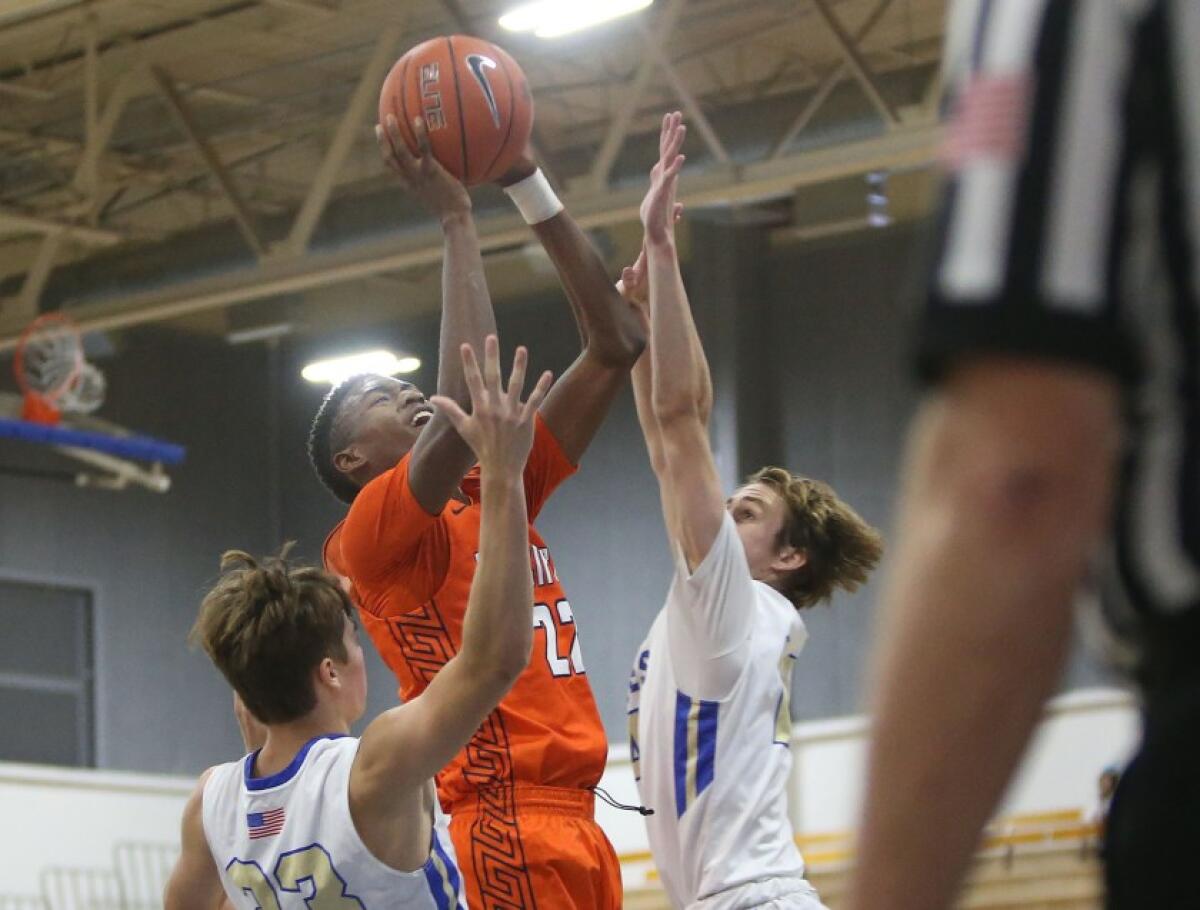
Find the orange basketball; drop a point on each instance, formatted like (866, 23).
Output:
(474, 99)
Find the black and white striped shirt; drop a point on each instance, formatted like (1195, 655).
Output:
(1070, 231)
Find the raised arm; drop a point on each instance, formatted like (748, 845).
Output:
(406, 746)
(680, 386)
(634, 286)
(440, 457)
(612, 336)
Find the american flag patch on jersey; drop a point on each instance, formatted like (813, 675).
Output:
(265, 824)
(989, 120)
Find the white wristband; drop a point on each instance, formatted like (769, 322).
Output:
(534, 198)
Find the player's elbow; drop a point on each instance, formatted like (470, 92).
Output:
(495, 674)
(511, 663)
(618, 350)
(673, 407)
(496, 666)
(658, 459)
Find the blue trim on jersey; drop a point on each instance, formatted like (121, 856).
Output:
(683, 706)
(701, 763)
(281, 777)
(706, 745)
(437, 885)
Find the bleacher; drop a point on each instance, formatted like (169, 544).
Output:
(1043, 861)
(134, 881)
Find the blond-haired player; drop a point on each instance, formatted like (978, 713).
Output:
(315, 817)
(708, 700)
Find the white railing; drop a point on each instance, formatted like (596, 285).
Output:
(22, 902)
(66, 888)
(142, 872)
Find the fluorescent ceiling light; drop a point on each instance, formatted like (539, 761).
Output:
(336, 369)
(551, 18)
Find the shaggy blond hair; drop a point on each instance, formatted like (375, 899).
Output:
(841, 547)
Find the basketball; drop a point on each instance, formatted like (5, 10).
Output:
(475, 101)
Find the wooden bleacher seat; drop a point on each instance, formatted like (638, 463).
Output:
(1029, 861)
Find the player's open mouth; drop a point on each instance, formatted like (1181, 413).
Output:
(422, 416)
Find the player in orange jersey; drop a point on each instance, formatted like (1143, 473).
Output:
(520, 794)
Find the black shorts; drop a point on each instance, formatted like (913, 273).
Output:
(1152, 842)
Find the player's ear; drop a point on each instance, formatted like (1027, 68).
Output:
(349, 460)
(327, 673)
(789, 559)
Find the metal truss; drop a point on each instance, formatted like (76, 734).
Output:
(116, 175)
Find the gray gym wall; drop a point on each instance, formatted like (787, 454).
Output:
(148, 558)
(809, 354)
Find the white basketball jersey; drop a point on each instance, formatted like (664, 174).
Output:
(710, 732)
(287, 842)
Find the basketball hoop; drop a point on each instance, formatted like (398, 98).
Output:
(52, 373)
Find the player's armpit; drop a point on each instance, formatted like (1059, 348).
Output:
(579, 402)
(548, 466)
(195, 883)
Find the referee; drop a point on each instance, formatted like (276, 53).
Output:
(1058, 438)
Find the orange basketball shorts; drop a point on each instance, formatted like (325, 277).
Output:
(524, 847)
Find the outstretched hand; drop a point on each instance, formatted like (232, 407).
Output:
(658, 207)
(421, 174)
(634, 283)
(499, 428)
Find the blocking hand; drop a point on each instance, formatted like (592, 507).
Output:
(658, 207)
(499, 428)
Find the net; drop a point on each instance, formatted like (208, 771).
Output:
(52, 373)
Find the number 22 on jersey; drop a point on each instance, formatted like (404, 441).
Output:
(550, 621)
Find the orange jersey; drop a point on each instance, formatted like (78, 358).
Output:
(411, 573)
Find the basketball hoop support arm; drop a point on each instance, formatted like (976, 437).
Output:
(153, 478)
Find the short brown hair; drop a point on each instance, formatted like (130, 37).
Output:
(842, 549)
(267, 626)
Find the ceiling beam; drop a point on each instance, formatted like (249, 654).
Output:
(187, 123)
(361, 102)
(308, 7)
(27, 92)
(100, 133)
(828, 84)
(26, 303)
(24, 223)
(696, 115)
(901, 149)
(54, 145)
(857, 63)
(631, 95)
(87, 177)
